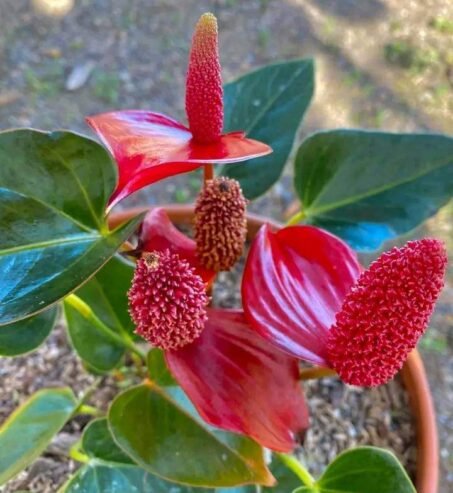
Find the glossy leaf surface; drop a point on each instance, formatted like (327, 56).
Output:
(295, 280)
(175, 446)
(106, 294)
(26, 335)
(239, 382)
(96, 348)
(28, 431)
(98, 443)
(364, 469)
(53, 235)
(149, 147)
(368, 187)
(268, 104)
(158, 233)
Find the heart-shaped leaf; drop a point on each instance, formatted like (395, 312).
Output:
(96, 348)
(268, 104)
(53, 233)
(364, 469)
(368, 187)
(98, 444)
(28, 431)
(106, 295)
(26, 335)
(173, 445)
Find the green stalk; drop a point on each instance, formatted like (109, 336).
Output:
(298, 469)
(86, 312)
(76, 454)
(296, 218)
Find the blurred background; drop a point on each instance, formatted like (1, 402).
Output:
(385, 64)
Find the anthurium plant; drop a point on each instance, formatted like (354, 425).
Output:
(218, 402)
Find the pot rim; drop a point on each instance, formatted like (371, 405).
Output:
(413, 372)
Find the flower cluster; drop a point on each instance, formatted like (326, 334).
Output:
(305, 294)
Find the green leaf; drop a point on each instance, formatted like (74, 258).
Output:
(102, 477)
(53, 234)
(365, 469)
(173, 445)
(28, 431)
(98, 444)
(368, 187)
(26, 335)
(157, 369)
(268, 104)
(97, 349)
(106, 294)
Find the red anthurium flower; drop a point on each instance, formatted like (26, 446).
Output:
(239, 382)
(295, 280)
(304, 291)
(149, 147)
(236, 379)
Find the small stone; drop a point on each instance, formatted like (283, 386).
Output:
(79, 75)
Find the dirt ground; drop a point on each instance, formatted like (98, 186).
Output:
(384, 64)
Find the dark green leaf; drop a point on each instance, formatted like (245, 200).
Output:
(97, 442)
(268, 104)
(101, 477)
(26, 335)
(97, 349)
(28, 431)
(157, 369)
(172, 444)
(365, 469)
(106, 294)
(368, 187)
(53, 235)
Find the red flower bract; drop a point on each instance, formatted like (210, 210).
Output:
(386, 313)
(149, 147)
(167, 300)
(204, 92)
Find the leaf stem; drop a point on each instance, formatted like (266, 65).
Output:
(296, 218)
(86, 312)
(316, 372)
(298, 469)
(76, 454)
(91, 410)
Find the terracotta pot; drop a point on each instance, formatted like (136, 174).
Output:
(413, 372)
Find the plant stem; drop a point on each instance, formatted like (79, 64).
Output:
(89, 315)
(91, 410)
(298, 469)
(316, 372)
(208, 172)
(77, 455)
(296, 218)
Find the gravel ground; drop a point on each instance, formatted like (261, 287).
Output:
(380, 64)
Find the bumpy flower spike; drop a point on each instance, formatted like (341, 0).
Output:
(167, 300)
(149, 146)
(204, 92)
(386, 313)
(220, 224)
